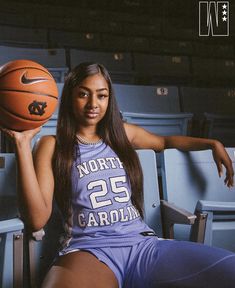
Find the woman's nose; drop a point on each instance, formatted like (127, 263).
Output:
(92, 102)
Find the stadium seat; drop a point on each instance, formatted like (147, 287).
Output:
(147, 98)
(118, 64)
(190, 180)
(74, 39)
(209, 70)
(53, 59)
(11, 253)
(220, 127)
(29, 37)
(11, 227)
(161, 124)
(215, 104)
(162, 68)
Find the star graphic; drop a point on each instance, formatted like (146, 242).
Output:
(224, 19)
(224, 12)
(224, 6)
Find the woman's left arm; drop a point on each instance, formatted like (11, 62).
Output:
(142, 139)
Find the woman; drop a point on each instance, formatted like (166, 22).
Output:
(92, 170)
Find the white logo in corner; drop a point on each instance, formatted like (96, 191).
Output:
(213, 18)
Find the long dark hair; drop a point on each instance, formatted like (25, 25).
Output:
(110, 129)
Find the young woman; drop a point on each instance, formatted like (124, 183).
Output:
(91, 168)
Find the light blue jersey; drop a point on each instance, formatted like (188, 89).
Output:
(102, 212)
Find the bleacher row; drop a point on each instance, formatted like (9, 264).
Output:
(168, 62)
(163, 109)
(156, 47)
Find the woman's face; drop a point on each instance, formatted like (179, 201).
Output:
(90, 100)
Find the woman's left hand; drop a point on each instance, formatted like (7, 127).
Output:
(222, 159)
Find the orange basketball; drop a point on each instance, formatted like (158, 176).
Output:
(28, 95)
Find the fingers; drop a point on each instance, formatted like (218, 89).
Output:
(219, 168)
(7, 131)
(229, 179)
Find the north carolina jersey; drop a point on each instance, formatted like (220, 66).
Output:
(102, 212)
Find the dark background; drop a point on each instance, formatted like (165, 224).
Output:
(141, 42)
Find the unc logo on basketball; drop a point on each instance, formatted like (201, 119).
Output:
(37, 108)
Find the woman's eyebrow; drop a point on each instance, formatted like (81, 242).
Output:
(98, 90)
(83, 87)
(101, 89)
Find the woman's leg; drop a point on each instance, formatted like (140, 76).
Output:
(168, 264)
(80, 270)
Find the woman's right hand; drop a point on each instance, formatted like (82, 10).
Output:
(20, 137)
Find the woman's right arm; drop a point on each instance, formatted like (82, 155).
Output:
(35, 177)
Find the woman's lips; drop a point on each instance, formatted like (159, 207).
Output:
(91, 114)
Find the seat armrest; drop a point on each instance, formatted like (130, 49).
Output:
(203, 205)
(14, 224)
(174, 215)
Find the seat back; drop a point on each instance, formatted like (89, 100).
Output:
(152, 213)
(53, 59)
(147, 98)
(11, 235)
(8, 199)
(161, 124)
(191, 176)
(220, 127)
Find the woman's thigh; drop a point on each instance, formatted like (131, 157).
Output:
(181, 264)
(80, 269)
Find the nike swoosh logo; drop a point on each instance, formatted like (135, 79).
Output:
(26, 80)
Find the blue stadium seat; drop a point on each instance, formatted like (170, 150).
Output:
(74, 39)
(53, 59)
(156, 108)
(220, 127)
(199, 100)
(215, 50)
(8, 199)
(189, 177)
(213, 69)
(171, 47)
(162, 124)
(147, 99)
(217, 103)
(29, 37)
(11, 228)
(11, 253)
(162, 68)
(118, 64)
(125, 43)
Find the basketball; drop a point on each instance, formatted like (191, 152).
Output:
(28, 95)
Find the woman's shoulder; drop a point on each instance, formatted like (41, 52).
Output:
(131, 131)
(45, 143)
(48, 139)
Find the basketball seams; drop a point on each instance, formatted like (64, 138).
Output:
(28, 67)
(22, 117)
(30, 92)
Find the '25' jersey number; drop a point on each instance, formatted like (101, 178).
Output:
(123, 196)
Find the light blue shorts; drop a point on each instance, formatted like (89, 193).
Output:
(169, 263)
